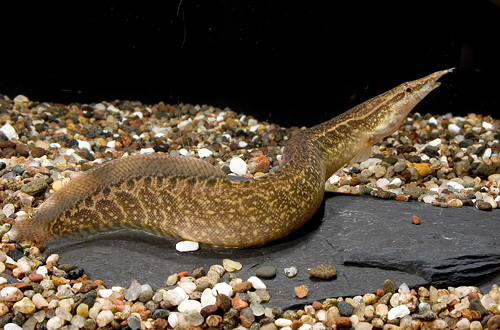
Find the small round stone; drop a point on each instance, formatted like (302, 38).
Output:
(323, 271)
(266, 272)
(134, 323)
(291, 271)
(238, 166)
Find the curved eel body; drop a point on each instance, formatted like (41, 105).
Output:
(191, 199)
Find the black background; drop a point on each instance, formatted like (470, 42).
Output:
(293, 63)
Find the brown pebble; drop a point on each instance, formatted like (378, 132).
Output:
(213, 320)
(262, 167)
(296, 324)
(19, 285)
(208, 310)
(87, 286)
(242, 287)
(160, 324)
(223, 302)
(301, 291)
(403, 198)
(35, 277)
(317, 305)
(245, 321)
(484, 206)
(343, 322)
(415, 220)
(37, 152)
(323, 271)
(199, 272)
(493, 322)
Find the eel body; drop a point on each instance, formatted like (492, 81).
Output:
(191, 199)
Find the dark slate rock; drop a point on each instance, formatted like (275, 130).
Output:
(368, 240)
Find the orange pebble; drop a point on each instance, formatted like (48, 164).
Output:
(415, 220)
(238, 303)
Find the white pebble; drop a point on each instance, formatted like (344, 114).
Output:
(453, 128)
(242, 144)
(429, 199)
(111, 144)
(188, 287)
(254, 128)
(12, 326)
(56, 322)
(396, 182)
(403, 288)
(173, 319)
(104, 318)
(487, 153)
(291, 271)
(183, 152)
(398, 312)
(105, 293)
(8, 209)
(238, 166)
(146, 151)
(282, 322)
(463, 324)
(256, 282)
(435, 142)
(181, 293)
(207, 298)
(487, 126)
(204, 152)
(382, 183)
(433, 121)
(189, 305)
(224, 288)
(9, 131)
(172, 297)
(187, 246)
(84, 145)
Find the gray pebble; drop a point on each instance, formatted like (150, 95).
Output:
(345, 308)
(134, 323)
(266, 272)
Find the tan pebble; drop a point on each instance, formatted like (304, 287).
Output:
(218, 269)
(269, 326)
(213, 320)
(476, 325)
(172, 279)
(390, 327)
(439, 324)
(377, 322)
(82, 310)
(382, 309)
(231, 265)
(369, 311)
(4, 309)
(422, 169)
(363, 326)
(57, 185)
(455, 202)
(2, 267)
(423, 292)
(370, 298)
(301, 291)
(39, 301)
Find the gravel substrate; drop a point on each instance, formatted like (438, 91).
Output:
(440, 160)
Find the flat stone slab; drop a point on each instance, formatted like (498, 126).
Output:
(367, 239)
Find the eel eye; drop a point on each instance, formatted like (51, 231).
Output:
(408, 90)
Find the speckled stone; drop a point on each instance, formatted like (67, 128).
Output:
(345, 308)
(323, 271)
